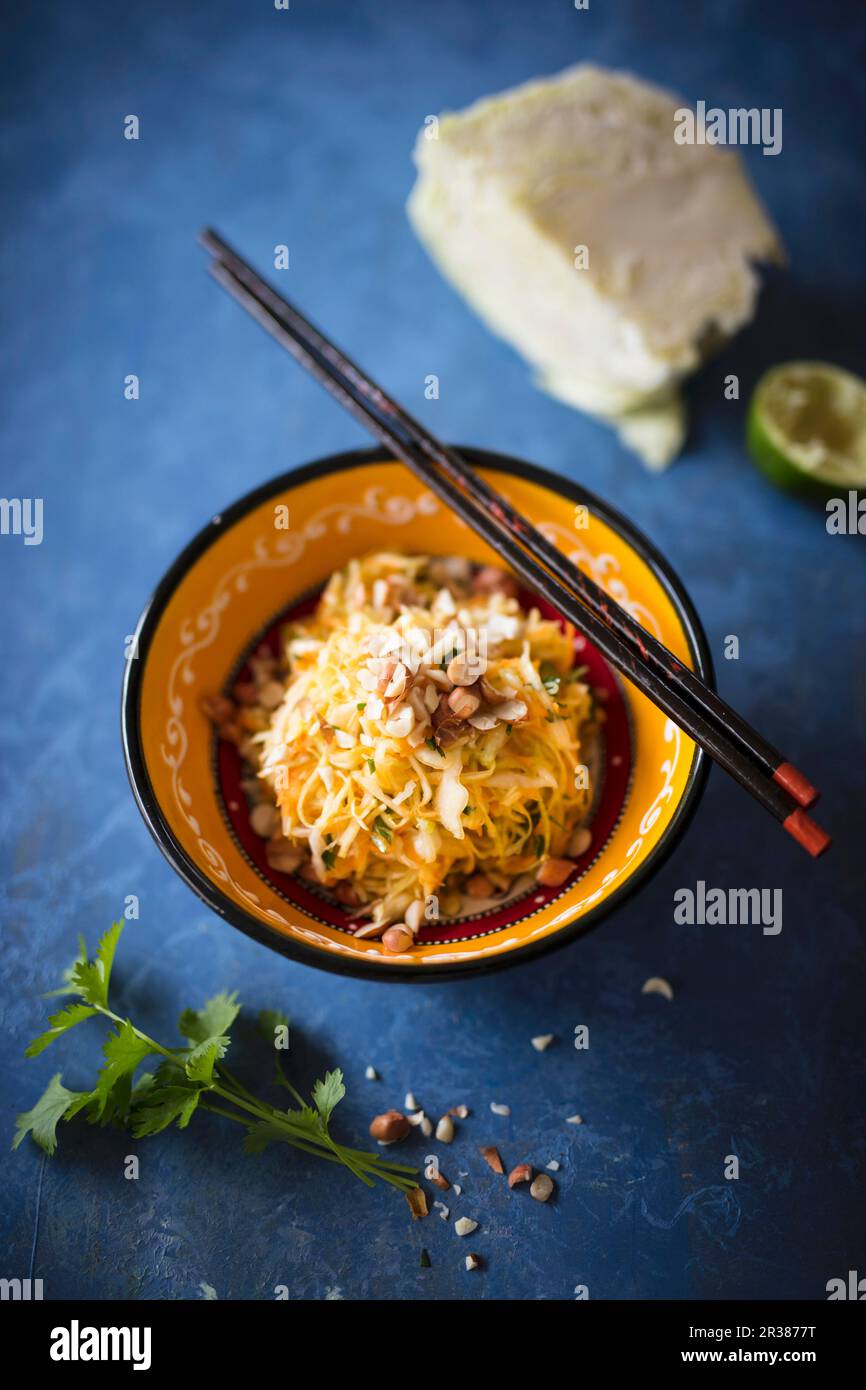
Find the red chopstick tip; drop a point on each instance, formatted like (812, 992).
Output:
(788, 776)
(807, 832)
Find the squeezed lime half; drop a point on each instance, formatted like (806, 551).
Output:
(806, 427)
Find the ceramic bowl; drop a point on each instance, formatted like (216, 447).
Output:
(266, 557)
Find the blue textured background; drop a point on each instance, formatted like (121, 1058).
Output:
(296, 127)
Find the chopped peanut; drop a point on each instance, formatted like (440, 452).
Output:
(491, 1158)
(397, 939)
(478, 886)
(554, 872)
(463, 701)
(390, 1127)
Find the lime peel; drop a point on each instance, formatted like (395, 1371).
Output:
(806, 427)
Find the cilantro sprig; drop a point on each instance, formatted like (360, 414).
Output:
(186, 1078)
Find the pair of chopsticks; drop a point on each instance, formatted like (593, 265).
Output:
(717, 728)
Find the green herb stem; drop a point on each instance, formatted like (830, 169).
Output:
(190, 1077)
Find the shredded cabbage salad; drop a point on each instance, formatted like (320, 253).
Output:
(425, 741)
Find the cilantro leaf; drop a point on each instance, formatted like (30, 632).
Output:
(60, 1022)
(214, 1019)
(307, 1116)
(123, 1052)
(83, 1100)
(91, 978)
(49, 1109)
(113, 1108)
(161, 1105)
(143, 1086)
(206, 1029)
(68, 987)
(201, 1061)
(328, 1093)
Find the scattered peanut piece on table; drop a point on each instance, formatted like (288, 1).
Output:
(445, 1130)
(389, 1127)
(472, 1261)
(522, 1173)
(541, 1187)
(657, 985)
(542, 1042)
(491, 1158)
(417, 1199)
(464, 1227)
(500, 1109)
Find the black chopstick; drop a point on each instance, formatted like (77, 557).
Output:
(650, 649)
(488, 513)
